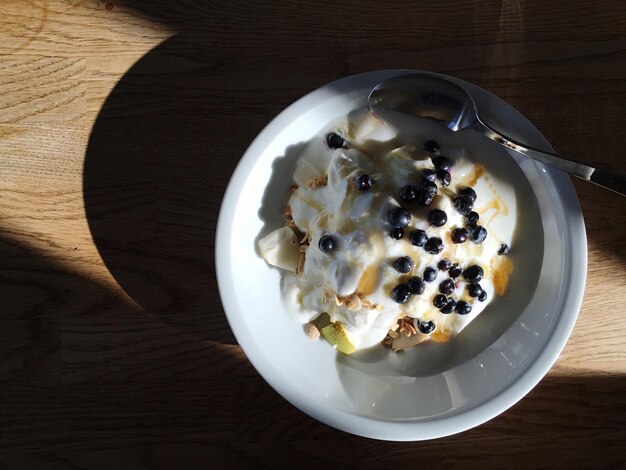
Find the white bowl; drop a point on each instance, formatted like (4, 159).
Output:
(428, 392)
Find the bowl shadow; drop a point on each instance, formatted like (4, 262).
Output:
(276, 194)
(158, 160)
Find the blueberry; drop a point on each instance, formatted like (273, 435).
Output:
(442, 163)
(426, 327)
(455, 271)
(326, 243)
(431, 146)
(437, 217)
(418, 237)
(424, 199)
(403, 264)
(504, 249)
(416, 285)
(468, 192)
(482, 297)
(430, 274)
(363, 182)
(334, 140)
(434, 246)
(429, 187)
(440, 301)
(401, 294)
(446, 286)
(463, 204)
(478, 234)
(449, 306)
(444, 264)
(429, 175)
(463, 308)
(474, 290)
(409, 193)
(473, 274)
(399, 217)
(459, 235)
(396, 233)
(472, 218)
(444, 177)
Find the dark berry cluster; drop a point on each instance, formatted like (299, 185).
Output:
(472, 275)
(424, 192)
(399, 219)
(464, 203)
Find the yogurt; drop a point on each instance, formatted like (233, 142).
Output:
(349, 245)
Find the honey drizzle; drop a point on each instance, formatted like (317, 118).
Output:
(439, 337)
(498, 204)
(369, 280)
(477, 172)
(502, 269)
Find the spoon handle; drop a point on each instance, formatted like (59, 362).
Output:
(609, 180)
(605, 178)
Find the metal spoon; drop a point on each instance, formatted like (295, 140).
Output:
(435, 97)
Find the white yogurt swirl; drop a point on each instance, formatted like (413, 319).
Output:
(361, 263)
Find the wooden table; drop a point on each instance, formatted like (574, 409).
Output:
(120, 125)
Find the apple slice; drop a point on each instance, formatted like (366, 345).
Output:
(335, 333)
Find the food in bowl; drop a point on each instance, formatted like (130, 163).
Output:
(389, 238)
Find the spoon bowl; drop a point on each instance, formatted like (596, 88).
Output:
(426, 96)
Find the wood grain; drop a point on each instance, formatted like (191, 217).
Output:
(120, 125)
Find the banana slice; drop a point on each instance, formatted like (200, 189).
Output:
(280, 248)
